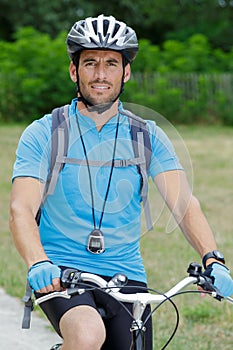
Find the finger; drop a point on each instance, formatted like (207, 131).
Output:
(203, 295)
(46, 289)
(56, 284)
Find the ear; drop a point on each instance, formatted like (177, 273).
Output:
(127, 73)
(73, 73)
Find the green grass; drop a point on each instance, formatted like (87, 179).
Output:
(204, 322)
(12, 269)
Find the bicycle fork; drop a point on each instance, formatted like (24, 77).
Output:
(138, 328)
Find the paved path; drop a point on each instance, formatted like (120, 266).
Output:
(12, 337)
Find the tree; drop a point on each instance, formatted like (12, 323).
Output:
(51, 16)
(206, 17)
(154, 20)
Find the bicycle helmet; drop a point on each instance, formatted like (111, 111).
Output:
(102, 32)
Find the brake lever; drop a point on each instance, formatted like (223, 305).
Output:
(206, 283)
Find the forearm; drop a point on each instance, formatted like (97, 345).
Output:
(186, 209)
(26, 198)
(26, 236)
(196, 229)
(43, 277)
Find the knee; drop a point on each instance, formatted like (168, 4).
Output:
(82, 329)
(84, 339)
(93, 337)
(93, 342)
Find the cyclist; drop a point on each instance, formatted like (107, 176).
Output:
(94, 205)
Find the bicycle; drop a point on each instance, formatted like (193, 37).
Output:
(76, 282)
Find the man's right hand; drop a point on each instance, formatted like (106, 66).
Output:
(44, 277)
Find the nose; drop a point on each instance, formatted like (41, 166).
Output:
(100, 71)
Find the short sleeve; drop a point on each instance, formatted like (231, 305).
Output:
(33, 151)
(164, 157)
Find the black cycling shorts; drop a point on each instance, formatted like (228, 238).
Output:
(116, 319)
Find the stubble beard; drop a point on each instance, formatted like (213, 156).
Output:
(100, 101)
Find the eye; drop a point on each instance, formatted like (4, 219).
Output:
(112, 63)
(92, 63)
(89, 63)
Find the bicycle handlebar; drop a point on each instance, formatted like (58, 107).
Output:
(76, 282)
(113, 286)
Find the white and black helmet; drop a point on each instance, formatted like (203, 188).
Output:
(102, 32)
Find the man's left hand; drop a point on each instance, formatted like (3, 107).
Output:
(221, 277)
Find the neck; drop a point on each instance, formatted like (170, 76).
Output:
(100, 119)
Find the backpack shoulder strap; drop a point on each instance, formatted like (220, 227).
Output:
(59, 146)
(60, 123)
(28, 307)
(138, 125)
(142, 148)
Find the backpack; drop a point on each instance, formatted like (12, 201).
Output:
(59, 146)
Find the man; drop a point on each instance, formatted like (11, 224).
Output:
(98, 200)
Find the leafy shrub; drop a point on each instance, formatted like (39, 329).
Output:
(34, 78)
(184, 98)
(34, 75)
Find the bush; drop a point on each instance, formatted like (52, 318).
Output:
(34, 75)
(34, 78)
(184, 98)
(193, 55)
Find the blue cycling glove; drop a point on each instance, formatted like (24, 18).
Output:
(41, 274)
(222, 280)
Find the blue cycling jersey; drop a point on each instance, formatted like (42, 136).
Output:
(67, 218)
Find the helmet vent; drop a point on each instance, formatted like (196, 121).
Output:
(105, 27)
(117, 26)
(94, 25)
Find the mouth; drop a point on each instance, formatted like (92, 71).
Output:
(100, 86)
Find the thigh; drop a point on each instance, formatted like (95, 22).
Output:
(82, 328)
(55, 308)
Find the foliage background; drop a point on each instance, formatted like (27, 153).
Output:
(197, 48)
(184, 70)
(156, 20)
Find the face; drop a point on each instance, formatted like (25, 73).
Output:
(100, 75)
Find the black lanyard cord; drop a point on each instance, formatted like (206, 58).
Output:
(89, 173)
